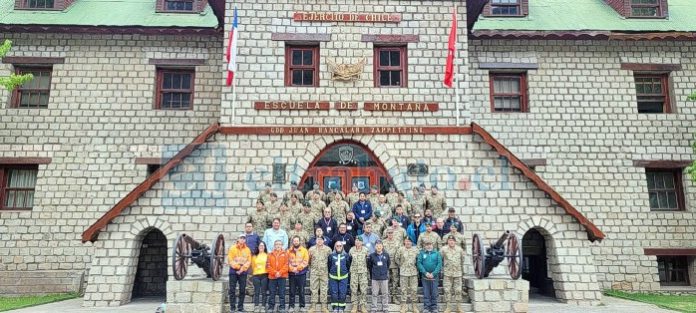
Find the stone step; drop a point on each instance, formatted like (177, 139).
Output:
(393, 308)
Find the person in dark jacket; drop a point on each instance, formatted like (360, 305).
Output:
(352, 224)
(252, 239)
(453, 219)
(378, 265)
(345, 237)
(415, 229)
(401, 217)
(328, 224)
(318, 232)
(362, 210)
(339, 265)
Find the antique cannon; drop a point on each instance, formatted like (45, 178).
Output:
(187, 250)
(508, 247)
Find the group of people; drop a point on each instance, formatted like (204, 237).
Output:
(392, 244)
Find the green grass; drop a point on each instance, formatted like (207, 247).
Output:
(12, 303)
(672, 302)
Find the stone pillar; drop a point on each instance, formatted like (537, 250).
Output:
(199, 295)
(498, 294)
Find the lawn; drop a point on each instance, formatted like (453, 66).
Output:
(677, 303)
(11, 303)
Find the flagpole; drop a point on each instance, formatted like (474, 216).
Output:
(234, 98)
(454, 70)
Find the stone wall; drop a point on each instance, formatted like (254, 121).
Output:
(214, 189)
(497, 294)
(584, 121)
(100, 118)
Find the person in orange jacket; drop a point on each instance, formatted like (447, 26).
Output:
(239, 260)
(299, 259)
(277, 268)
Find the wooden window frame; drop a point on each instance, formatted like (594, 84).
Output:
(24, 5)
(664, 81)
(678, 187)
(403, 68)
(289, 48)
(658, 6)
(194, 6)
(4, 169)
(17, 93)
(685, 270)
(518, 5)
(524, 94)
(159, 81)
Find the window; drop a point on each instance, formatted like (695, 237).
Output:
(174, 89)
(508, 92)
(34, 93)
(17, 184)
(646, 8)
(302, 66)
(505, 7)
(152, 168)
(390, 67)
(653, 93)
(665, 189)
(178, 5)
(673, 270)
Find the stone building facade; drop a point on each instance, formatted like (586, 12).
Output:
(572, 168)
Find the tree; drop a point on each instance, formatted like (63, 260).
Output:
(11, 82)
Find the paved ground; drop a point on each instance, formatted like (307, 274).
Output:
(540, 305)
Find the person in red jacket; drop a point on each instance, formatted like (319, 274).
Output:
(277, 268)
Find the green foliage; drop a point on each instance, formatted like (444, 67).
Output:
(673, 302)
(692, 96)
(11, 82)
(691, 169)
(13, 303)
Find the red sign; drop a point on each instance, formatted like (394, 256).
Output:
(345, 130)
(291, 105)
(402, 106)
(347, 17)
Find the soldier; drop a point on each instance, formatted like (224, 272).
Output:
(285, 216)
(382, 207)
(354, 196)
(429, 236)
(307, 218)
(339, 267)
(259, 218)
(293, 191)
(392, 245)
(401, 200)
(406, 260)
(453, 269)
(358, 281)
(392, 196)
(331, 195)
(317, 204)
(458, 237)
(319, 275)
(436, 202)
(417, 201)
(315, 190)
(373, 197)
(299, 232)
(294, 205)
(273, 205)
(339, 208)
(399, 232)
(378, 224)
(265, 195)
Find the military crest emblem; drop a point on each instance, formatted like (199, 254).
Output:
(345, 155)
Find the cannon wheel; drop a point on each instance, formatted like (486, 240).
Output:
(217, 257)
(513, 254)
(478, 256)
(181, 251)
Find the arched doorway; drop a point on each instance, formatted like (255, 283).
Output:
(151, 275)
(343, 164)
(536, 263)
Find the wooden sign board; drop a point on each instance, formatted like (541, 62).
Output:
(402, 106)
(291, 105)
(345, 130)
(346, 17)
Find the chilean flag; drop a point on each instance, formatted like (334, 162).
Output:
(451, 51)
(232, 51)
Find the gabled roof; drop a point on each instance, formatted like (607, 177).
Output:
(91, 234)
(93, 231)
(587, 16)
(107, 13)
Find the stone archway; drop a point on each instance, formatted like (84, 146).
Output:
(151, 274)
(536, 265)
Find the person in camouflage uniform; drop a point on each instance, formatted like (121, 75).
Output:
(354, 196)
(408, 275)
(436, 202)
(417, 202)
(399, 232)
(383, 207)
(307, 218)
(392, 196)
(458, 237)
(265, 195)
(373, 197)
(294, 205)
(339, 208)
(293, 191)
(453, 270)
(273, 205)
(259, 218)
(317, 204)
(331, 195)
(359, 285)
(392, 245)
(429, 236)
(401, 200)
(319, 276)
(315, 190)
(285, 216)
(378, 224)
(298, 232)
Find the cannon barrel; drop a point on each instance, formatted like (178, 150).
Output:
(501, 241)
(195, 245)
